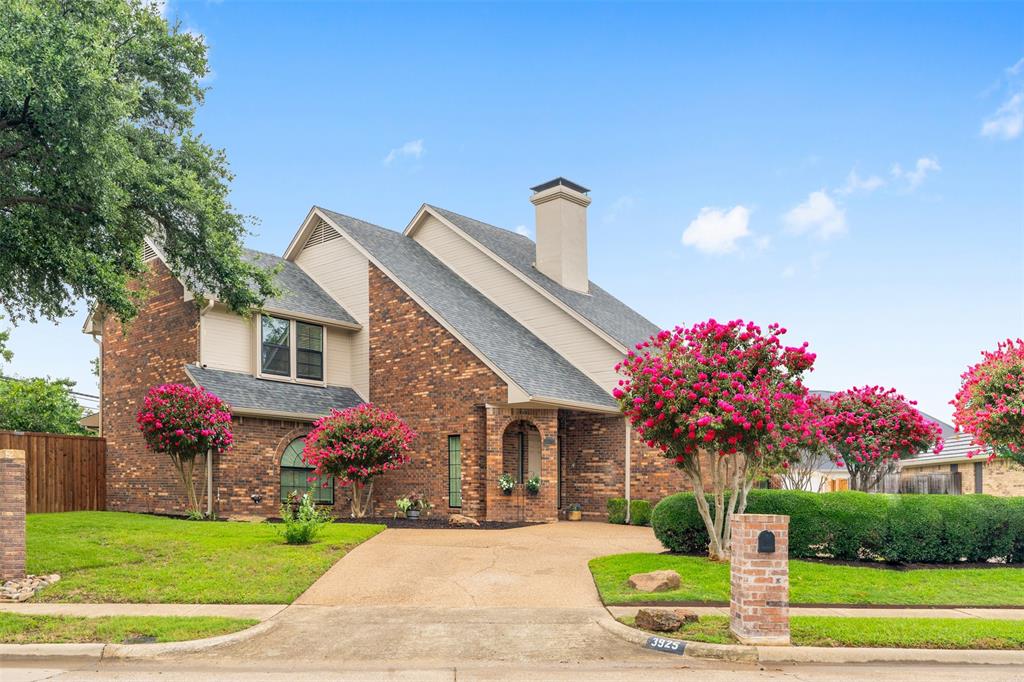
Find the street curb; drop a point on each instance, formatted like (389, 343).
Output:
(99, 651)
(815, 654)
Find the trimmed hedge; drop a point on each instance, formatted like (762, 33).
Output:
(939, 529)
(639, 512)
(617, 510)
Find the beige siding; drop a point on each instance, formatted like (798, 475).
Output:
(339, 357)
(226, 340)
(551, 324)
(343, 273)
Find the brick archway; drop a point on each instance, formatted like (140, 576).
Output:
(521, 507)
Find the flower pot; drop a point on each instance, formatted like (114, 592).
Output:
(412, 514)
(576, 515)
(506, 491)
(532, 493)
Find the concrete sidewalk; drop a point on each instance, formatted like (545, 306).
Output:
(258, 611)
(995, 614)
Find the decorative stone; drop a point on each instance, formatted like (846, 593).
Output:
(25, 588)
(655, 581)
(663, 620)
(462, 520)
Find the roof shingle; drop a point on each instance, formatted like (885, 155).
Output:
(264, 395)
(299, 293)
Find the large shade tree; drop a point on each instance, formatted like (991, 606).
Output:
(724, 402)
(38, 404)
(990, 403)
(97, 151)
(870, 429)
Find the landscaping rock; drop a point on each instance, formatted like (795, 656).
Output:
(663, 620)
(461, 520)
(655, 581)
(25, 588)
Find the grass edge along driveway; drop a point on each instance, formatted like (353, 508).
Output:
(16, 628)
(815, 583)
(905, 633)
(137, 558)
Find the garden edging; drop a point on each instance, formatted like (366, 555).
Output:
(813, 654)
(100, 651)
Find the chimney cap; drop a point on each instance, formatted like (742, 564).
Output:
(560, 181)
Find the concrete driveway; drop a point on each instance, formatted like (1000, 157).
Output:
(542, 566)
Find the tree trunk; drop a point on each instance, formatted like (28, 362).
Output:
(360, 505)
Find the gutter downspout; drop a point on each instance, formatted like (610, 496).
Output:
(629, 448)
(209, 484)
(98, 338)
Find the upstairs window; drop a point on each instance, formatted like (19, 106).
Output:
(291, 349)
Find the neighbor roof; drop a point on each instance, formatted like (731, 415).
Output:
(246, 392)
(604, 311)
(526, 360)
(955, 447)
(299, 293)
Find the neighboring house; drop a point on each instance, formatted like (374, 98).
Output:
(90, 422)
(497, 351)
(977, 474)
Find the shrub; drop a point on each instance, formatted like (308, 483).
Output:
(617, 510)
(639, 512)
(854, 525)
(303, 520)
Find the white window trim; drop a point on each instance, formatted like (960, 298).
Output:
(292, 352)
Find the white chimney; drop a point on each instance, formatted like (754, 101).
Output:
(562, 232)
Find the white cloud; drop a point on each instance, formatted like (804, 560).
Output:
(618, 207)
(855, 183)
(717, 231)
(413, 149)
(923, 166)
(1008, 120)
(818, 215)
(788, 271)
(1016, 68)
(524, 230)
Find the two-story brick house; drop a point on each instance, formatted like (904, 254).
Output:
(497, 350)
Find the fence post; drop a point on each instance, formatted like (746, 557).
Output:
(12, 514)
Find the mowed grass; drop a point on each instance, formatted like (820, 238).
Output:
(135, 558)
(21, 629)
(816, 583)
(908, 633)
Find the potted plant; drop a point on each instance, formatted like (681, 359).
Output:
(412, 505)
(403, 504)
(575, 512)
(533, 485)
(506, 483)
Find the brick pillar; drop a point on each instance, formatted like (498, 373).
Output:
(12, 514)
(759, 602)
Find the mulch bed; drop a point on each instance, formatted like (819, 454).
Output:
(434, 522)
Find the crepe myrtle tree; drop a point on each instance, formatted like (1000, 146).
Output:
(804, 473)
(185, 422)
(725, 402)
(990, 403)
(869, 429)
(355, 445)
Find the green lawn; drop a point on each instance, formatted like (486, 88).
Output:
(816, 583)
(911, 633)
(135, 558)
(20, 629)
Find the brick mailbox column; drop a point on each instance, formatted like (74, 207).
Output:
(12, 514)
(759, 576)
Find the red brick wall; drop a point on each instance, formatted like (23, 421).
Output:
(503, 458)
(759, 582)
(12, 514)
(148, 351)
(422, 372)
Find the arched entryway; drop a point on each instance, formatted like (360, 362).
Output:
(522, 443)
(521, 450)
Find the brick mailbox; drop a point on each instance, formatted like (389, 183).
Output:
(12, 514)
(759, 577)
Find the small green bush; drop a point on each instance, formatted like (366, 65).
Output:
(303, 520)
(617, 510)
(639, 512)
(853, 525)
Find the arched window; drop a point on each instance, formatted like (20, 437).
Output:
(295, 475)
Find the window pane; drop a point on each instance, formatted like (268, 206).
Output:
(309, 364)
(309, 336)
(454, 471)
(275, 354)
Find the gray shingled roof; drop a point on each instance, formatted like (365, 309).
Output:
(299, 293)
(528, 361)
(955, 445)
(606, 312)
(247, 392)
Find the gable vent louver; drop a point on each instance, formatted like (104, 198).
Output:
(322, 232)
(148, 252)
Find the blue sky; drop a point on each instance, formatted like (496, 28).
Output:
(855, 172)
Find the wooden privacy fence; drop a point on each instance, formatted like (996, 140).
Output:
(64, 473)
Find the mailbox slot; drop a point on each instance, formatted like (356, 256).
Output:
(766, 542)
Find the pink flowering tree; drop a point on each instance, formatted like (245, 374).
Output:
(869, 429)
(184, 422)
(725, 402)
(990, 403)
(355, 445)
